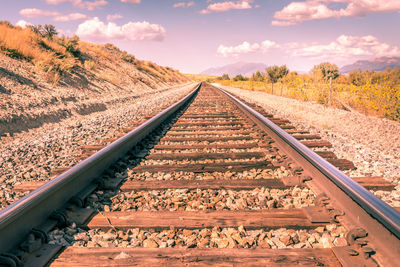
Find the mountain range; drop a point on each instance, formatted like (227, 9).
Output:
(247, 68)
(375, 64)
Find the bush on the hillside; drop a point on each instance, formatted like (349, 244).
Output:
(127, 57)
(49, 31)
(6, 23)
(37, 45)
(112, 47)
(72, 45)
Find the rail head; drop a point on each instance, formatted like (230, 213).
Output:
(380, 212)
(18, 219)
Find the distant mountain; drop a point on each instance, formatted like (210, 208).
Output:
(376, 64)
(244, 68)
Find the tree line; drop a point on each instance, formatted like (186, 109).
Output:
(325, 71)
(371, 92)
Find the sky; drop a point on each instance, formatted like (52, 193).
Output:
(193, 35)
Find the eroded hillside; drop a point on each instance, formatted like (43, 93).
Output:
(48, 78)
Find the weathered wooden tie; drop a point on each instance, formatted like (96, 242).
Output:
(76, 256)
(266, 219)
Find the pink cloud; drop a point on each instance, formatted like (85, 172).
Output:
(131, 1)
(180, 4)
(70, 17)
(282, 23)
(56, 16)
(184, 4)
(90, 5)
(226, 6)
(318, 9)
(96, 30)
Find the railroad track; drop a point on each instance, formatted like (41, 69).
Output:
(208, 181)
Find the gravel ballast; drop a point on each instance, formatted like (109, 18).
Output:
(197, 199)
(34, 154)
(321, 237)
(373, 144)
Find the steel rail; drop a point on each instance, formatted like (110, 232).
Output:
(17, 220)
(379, 210)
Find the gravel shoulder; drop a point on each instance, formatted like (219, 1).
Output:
(31, 155)
(373, 144)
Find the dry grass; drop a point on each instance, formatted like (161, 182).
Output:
(98, 50)
(109, 78)
(20, 43)
(90, 65)
(378, 99)
(159, 72)
(58, 56)
(201, 77)
(47, 55)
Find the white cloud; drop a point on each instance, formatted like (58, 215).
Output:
(267, 44)
(114, 17)
(34, 13)
(56, 16)
(23, 24)
(70, 17)
(184, 4)
(319, 9)
(96, 30)
(282, 23)
(90, 5)
(245, 48)
(345, 47)
(226, 6)
(131, 1)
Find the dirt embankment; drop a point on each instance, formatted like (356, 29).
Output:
(103, 79)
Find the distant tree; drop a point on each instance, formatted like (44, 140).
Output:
(240, 77)
(328, 72)
(225, 77)
(258, 77)
(275, 73)
(283, 72)
(49, 31)
(272, 74)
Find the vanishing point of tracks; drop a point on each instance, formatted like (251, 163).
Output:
(208, 181)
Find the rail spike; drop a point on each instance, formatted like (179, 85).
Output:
(354, 234)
